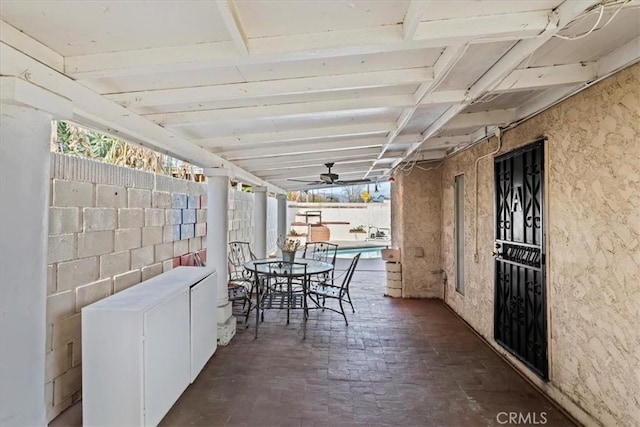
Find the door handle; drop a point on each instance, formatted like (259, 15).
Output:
(496, 250)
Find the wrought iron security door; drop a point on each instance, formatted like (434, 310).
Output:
(520, 317)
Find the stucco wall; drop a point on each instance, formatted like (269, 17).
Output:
(593, 246)
(416, 219)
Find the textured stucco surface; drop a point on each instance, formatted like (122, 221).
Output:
(415, 218)
(593, 245)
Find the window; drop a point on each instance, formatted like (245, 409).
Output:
(459, 231)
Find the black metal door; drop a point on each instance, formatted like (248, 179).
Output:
(520, 318)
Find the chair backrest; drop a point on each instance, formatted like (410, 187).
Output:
(239, 254)
(321, 251)
(349, 274)
(273, 270)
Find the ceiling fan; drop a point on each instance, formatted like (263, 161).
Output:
(330, 178)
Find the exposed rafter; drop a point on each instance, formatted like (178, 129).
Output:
(290, 48)
(483, 118)
(231, 20)
(564, 14)
(102, 114)
(310, 147)
(279, 111)
(262, 89)
(313, 134)
(541, 77)
(412, 18)
(309, 159)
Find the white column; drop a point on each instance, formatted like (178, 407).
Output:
(217, 241)
(25, 134)
(260, 221)
(282, 215)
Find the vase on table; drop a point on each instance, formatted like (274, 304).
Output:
(288, 256)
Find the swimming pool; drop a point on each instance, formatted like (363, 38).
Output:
(366, 253)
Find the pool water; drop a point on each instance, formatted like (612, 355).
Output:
(366, 253)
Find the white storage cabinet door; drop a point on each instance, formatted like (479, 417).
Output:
(167, 364)
(204, 328)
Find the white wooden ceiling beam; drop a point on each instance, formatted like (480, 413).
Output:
(625, 55)
(345, 164)
(314, 173)
(562, 16)
(447, 60)
(311, 159)
(231, 20)
(621, 57)
(445, 142)
(279, 111)
(482, 118)
(543, 77)
(295, 149)
(311, 46)
(412, 18)
(97, 112)
(298, 135)
(305, 85)
(31, 47)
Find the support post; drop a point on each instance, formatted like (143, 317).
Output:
(25, 133)
(260, 221)
(217, 241)
(282, 215)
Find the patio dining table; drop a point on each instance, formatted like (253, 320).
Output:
(299, 273)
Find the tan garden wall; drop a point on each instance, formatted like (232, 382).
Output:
(593, 245)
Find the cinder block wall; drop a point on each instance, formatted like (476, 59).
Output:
(109, 228)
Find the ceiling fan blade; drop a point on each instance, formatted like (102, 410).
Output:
(306, 181)
(353, 181)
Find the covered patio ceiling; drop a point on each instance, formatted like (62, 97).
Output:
(274, 89)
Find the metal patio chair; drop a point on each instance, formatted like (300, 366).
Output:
(240, 286)
(320, 291)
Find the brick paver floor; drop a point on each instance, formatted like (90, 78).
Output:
(398, 363)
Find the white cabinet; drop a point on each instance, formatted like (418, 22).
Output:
(143, 346)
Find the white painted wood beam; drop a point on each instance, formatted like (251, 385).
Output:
(292, 150)
(95, 111)
(279, 111)
(345, 164)
(445, 142)
(330, 44)
(298, 135)
(622, 57)
(483, 118)
(406, 138)
(314, 173)
(440, 97)
(543, 77)
(412, 18)
(231, 20)
(310, 159)
(561, 17)
(30, 47)
(306, 85)
(625, 55)
(447, 60)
